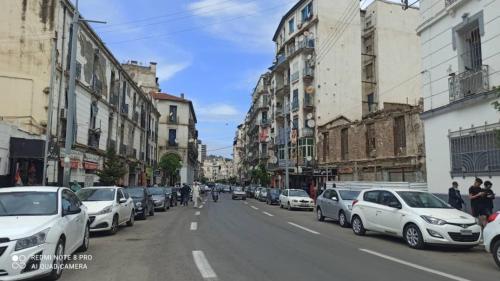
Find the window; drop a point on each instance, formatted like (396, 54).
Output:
(370, 140)
(281, 152)
(399, 135)
(344, 143)
(291, 26)
(307, 12)
(172, 137)
(388, 199)
(69, 201)
(172, 116)
(264, 117)
(295, 122)
(369, 71)
(327, 194)
(475, 153)
(119, 195)
(306, 148)
(295, 99)
(371, 102)
(93, 115)
(326, 146)
(371, 196)
(472, 57)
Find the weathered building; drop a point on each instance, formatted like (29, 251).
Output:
(461, 79)
(387, 145)
(111, 110)
(218, 168)
(178, 134)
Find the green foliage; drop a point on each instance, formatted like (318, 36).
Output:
(170, 165)
(260, 175)
(114, 168)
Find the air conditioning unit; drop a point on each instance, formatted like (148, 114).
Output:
(63, 114)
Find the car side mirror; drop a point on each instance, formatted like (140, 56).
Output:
(68, 212)
(396, 205)
(335, 198)
(122, 200)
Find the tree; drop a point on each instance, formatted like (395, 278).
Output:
(170, 165)
(114, 168)
(260, 175)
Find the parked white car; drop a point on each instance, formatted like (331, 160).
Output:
(491, 236)
(109, 207)
(418, 217)
(296, 199)
(38, 226)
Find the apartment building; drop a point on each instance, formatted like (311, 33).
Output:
(112, 111)
(336, 63)
(178, 134)
(217, 168)
(461, 79)
(239, 154)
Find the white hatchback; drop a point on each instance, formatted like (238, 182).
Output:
(296, 199)
(39, 226)
(492, 237)
(109, 207)
(418, 217)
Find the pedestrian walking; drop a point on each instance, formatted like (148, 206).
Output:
(488, 198)
(185, 191)
(196, 194)
(454, 197)
(476, 196)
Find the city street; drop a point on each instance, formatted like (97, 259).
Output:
(248, 240)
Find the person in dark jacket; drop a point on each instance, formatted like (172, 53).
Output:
(454, 197)
(488, 198)
(185, 192)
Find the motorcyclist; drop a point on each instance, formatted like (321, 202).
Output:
(215, 194)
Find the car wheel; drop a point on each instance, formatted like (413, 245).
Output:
(131, 221)
(413, 237)
(343, 219)
(114, 226)
(86, 240)
(58, 263)
(496, 252)
(357, 226)
(319, 214)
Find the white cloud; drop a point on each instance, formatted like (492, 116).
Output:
(166, 71)
(249, 25)
(219, 112)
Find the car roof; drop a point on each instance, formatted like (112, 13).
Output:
(395, 189)
(31, 188)
(101, 187)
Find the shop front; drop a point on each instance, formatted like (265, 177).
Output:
(26, 161)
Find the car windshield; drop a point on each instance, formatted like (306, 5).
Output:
(94, 194)
(136, 192)
(237, 189)
(422, 200)
(274, 191)
(298, 193)
(28, 203)
(156, 191)
(168, 190)
(348, 194)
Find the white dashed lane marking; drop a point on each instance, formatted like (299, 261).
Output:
(203, 266)
(194, 226)
(304, 228)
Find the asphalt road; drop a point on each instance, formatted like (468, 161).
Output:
(248, 240)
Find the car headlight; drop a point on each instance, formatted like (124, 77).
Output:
(138, 204)
(433, 220)
(295, 201)
(32, 241)
(104, 211)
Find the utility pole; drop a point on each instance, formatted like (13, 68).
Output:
(70, 121)
(48, 134)
(287, 157)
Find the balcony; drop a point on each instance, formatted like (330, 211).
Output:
(308, 74)
(295, 76)
(308, 102)
(123, 149)
(280, 63)
(306, 45)
(468, 83)
(282, 88)
(124, 109)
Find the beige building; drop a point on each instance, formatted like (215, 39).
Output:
(178, 134)
(217, 168)
(111, 110)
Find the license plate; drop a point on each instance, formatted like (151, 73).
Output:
(466, 232)
(303, 205)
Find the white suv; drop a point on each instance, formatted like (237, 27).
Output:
(492, 237)
(418, 217)
(108, 208)
(39, 226)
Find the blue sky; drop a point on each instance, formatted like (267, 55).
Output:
(211, 50)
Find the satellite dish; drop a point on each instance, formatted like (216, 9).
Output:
(310, 90)
(309, 158)
(274, 160)
(311, 123)
(309, 116)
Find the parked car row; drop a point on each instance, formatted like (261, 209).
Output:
(41, 225)
(418, 217)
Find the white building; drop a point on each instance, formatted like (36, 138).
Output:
(461, 76)
(217, 168)
(178, 134)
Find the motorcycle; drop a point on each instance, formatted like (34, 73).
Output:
(215, 196)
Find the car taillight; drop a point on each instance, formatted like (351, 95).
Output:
(354, 202)
(493, 217)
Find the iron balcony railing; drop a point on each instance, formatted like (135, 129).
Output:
(468, 83)
(448, 3)
(295, 76)
(307, 132)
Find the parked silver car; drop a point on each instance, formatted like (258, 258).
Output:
(336, 204)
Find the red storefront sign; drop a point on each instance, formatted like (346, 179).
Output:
(90, 165)
(75, 164)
